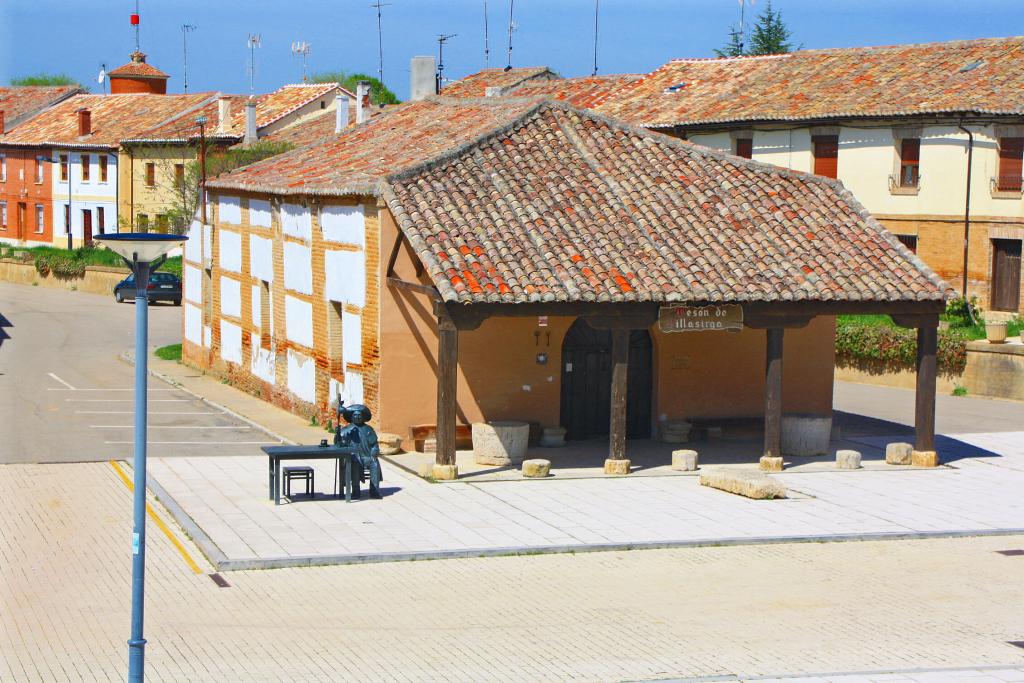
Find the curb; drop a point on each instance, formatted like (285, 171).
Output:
(214, 555)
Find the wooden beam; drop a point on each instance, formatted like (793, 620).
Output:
(447, 365)
(773, 394)
(761, 321)
(915, 321)
(413, 287)
(924, 406)
(620, 371)
(640, 320)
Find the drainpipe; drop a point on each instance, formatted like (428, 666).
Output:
(131, 192)
(967, 217)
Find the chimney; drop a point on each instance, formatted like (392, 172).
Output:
(362, 101)
(84, 122)
(250, 122)
(223, 116)
(340, 113)
(423, 77)
(2, 131)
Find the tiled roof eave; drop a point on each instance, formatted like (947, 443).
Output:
(62, 145)
(669, 123)
(353, 189)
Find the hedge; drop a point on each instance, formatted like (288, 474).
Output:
(879, 349)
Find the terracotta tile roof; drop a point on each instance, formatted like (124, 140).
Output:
(561, 204)
(358, 159)
(137, 69)
(183, 128)
(475, 85)
(317, 127)
(587, 91)
(114, 118)
(984, 76)
(20, 102)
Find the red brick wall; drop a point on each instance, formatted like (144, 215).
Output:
(20, 186)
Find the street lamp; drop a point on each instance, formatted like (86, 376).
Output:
(143, 252)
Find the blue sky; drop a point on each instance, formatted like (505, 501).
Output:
(636, 35)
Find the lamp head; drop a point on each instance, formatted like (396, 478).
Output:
(144, 247)
(200, 120)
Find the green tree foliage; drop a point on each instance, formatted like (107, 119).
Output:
(44, 79)
(770, 36)
(379, 93)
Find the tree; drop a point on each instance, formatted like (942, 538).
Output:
(379, 93)
(44, 79)
(734, 48)
(770, 36)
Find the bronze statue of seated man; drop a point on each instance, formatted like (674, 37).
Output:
(358, 433)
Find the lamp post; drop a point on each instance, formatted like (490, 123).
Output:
(143, 252)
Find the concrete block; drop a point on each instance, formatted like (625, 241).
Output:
(500, 442)
(616, 466)
(743, 483)
(553, 437)
(769, 463)
(684, 461)
(898, 453)
(924, 459)
(805, 435)
(445, 472)
(536, 467)
(848, 460)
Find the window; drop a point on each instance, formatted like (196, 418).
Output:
(40, 219)
(909, 241)
(103, 167)
(265, 320)
(745, 148)
(101, 218)
(143, 222)
(39, 170)
(3, 215)
(150, 174)
(910, 155)
(826, 155)
(1011, 153)
(85, 160)
(161, 222)
(3, 168)
(179, 176)
(63, 168)
(67, 219)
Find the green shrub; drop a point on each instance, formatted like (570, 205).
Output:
(42, 265)
(878, 348)
(66, 267)
(963, 311)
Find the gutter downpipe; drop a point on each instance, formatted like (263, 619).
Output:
(967, 216)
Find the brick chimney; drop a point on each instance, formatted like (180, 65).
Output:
(340, 113)
(250, 122)
(422, 78)
(223, 116)
(84, 122)
(362, 101)
(2, 131)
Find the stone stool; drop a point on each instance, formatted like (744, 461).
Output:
(898, 453)
(847, 460)
(536, 468)
(553, 437)
(500, 443)
(684, 461)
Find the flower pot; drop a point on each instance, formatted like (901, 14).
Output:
(995, 332)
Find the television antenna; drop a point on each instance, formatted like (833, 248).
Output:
(254, 41)
(380, 42)
(487, 51)
(511, 27)
(742, 33)
(441, 40)
(185, 30)
(135, 19)
(597, 5)
(301, 49)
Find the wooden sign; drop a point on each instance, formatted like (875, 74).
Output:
(727, 317)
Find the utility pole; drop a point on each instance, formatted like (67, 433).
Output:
(380, 42)
(253, 42)
(136, 18)
(511, 27)
(597, 5)
(441, 40)
(185, 30)
(487, 50)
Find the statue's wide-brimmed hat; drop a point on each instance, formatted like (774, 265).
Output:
(346, 412)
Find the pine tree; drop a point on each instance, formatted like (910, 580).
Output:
(734, 48)
(770, 36)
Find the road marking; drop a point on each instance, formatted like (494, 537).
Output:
(159, 522)
(167, 427)
(150, 390)
(128, 400)
(132, 412)
(200, 443)
(69, 387)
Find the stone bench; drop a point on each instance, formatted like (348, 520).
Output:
(424, 437)
(743, 483)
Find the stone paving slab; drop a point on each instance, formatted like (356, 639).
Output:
(223, 503)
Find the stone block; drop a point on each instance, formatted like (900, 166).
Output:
(898, 453)
(616, 466)
(675, 431)
(743, 483)
(445, 472)
(924, 459)
(553, 437)
(848, 460)
(769, 463)
(390, 444)
(684, 461)
(536, 467)
(805, 435)
(500, 442)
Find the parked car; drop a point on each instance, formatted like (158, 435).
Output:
(162, 287)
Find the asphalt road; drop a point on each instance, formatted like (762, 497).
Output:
(66, 396)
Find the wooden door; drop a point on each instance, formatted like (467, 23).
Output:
(587, 382)
(22, 220)
(87, 226)
(826, 155)
(1006, 275)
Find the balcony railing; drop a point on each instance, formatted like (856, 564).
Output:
(900, 184)
(1007, 183)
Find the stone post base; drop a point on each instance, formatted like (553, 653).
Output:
(536, 467)
(848, 460)
(616, 466)
(769, 463)
(924, 459)
(684, 461)
(898, 453)
(446, 472)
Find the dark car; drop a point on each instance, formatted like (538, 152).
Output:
(162, 287)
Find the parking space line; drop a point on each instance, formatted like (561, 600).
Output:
(170, 427)
(128, 400)
(199, 443)
(69, 387)
(159, 522)
(150, 390)
(150, 412)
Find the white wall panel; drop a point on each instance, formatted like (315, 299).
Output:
(262, 360)
(302, 376)
(344, 224)
(298, 268)
(296, 221)
(230, 297)
(261, 258)
(298, 321)
(194, 324)
(345, 277)
(193, 283)
(259, 213)
(231, 251)
(229, 210)
(230, 342)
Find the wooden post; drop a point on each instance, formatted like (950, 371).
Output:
(772, 458)
(617, 462)
(447, 364)
(924, 408)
